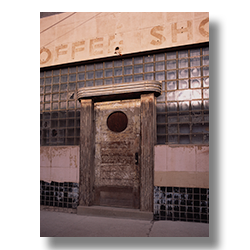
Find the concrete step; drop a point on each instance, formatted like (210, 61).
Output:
(114, 212)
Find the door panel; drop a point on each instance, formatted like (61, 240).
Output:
(117, 145)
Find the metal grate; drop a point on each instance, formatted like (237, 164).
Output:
(182, 108)
(180, 203)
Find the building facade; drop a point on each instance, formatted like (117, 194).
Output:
(124, 112)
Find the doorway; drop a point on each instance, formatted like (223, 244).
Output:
(117, 153)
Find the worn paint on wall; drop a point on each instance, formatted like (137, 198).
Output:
(178, 166)
(59, 163)
(72, 37)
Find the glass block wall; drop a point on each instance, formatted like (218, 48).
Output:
(182, 108)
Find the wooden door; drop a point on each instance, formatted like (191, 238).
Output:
(117, 153)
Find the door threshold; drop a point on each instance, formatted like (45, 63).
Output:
(114, 212)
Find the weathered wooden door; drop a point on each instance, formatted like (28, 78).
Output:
(117, 153)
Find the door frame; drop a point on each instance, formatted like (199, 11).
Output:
(147, 91)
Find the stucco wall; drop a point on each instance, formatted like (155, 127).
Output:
(77, 36)
(181, 166)
(59, 163)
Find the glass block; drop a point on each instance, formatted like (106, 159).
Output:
(196, 94)
(194, 62)
(184, 139)
(194, 52)
(183, 73)
(48, 81)
(71, 104)
(183, 63)
(196, 105)
(171, 85)
(55, 97)
(184, 117)
(159, 76)
(98, 65)
(63, 96)
(149, 76)
(200, 128)
(108, 64)
(159, 66)
(41, 98)
(206, 71)
(195, 72)
(205, 51)
(108, 81)
(80, 85)
(206, 82)
(184, 128)
(41, 90)
(172, 106)
(72, 77)
(55, 105)
(183, 95)
(138, 78)
(182, 53)
(99, 74)
(171, 75)
(81, 68)
(72, 69)
(160, 98)
(118, 63)
(161, 129)
(172, 118)
(127, 61)
(138, 68)
(183, 106)
(70, 122)
(148, 58)
(205, 60)
(171, 64)
(195, 83)
(138, 60)
(128, 70)
(108, 73)
(64, 71)
(90, 75)
(64, 87)
(98, 82)
(70, 132)
(62, 105)
(161, 139)
(89, 83)
(90, 67)
(170, 96)
(48, 89)
(72, 86)
(206, 93)
(47, 106)
(149, 67)
(128, 78)
(161, 118)
(206, 104)
(160, 57)
(118, 71)
(64, 79)
(160, 107)
(56, 79)
(171, 55)
(41, 81)
(173, 139)
(183, 84)
(118, 80)
(47, 98)
(197, 139)
(172, 128)
(48, 73)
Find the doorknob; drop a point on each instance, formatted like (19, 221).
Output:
(136, 158)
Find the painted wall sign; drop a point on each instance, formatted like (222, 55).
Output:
(69, 41)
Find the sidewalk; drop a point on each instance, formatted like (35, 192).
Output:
(59, 224)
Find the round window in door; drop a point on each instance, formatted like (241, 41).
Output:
(117, 121)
